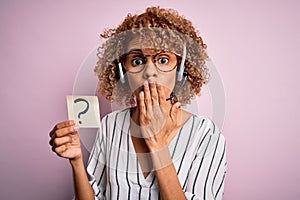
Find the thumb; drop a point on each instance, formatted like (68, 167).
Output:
(174, 110)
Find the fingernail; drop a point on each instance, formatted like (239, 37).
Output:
(142, 93)
(146, 84)
(76, 128)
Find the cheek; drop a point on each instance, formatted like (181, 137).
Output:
(134, 82)
(168, 81)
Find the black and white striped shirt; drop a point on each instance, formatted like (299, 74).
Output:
(198, 154)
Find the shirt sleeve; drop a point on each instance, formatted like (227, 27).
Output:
(207, 173)
(96, 168)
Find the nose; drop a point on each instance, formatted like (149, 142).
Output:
(150, 69)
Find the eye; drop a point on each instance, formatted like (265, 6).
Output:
(163, 60)
(137, 61)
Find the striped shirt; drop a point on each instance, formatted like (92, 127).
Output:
(197, 151)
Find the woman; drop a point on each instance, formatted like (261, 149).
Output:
(154, 63)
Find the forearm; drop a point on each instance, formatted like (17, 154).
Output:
(166, 175)
(83, 189)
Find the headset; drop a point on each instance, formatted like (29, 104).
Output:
(180, 73)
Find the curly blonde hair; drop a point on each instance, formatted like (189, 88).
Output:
(167, 30)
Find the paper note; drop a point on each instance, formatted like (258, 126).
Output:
(84, 110)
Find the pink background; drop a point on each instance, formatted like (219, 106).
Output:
(254, 44)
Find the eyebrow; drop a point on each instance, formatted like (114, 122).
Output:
(141, 51)
(135, 50)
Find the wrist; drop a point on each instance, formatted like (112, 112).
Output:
(161, 158)
(76, 162)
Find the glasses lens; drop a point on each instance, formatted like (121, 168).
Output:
(135, 61)
(165, 61)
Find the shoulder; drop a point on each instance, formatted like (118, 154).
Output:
(206, 133)
(110, 117)
(115, 122)
(205, 124)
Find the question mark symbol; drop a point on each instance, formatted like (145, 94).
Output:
(85, 110)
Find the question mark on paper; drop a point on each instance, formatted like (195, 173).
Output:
(85, 110)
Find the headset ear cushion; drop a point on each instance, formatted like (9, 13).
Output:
(185, 73)
(121, 73)
(182, 65)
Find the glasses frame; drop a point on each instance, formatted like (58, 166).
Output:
(123, 58)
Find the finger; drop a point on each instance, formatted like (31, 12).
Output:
(147, 96)
(54, 137)
(161, 94)
(65, 124)
(61, 125)
(154, 94)
(62, 140)
(60, 149)
(142, 106)
(65, 131)
(174, 111)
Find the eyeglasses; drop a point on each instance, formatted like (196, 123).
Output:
(135, 61)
